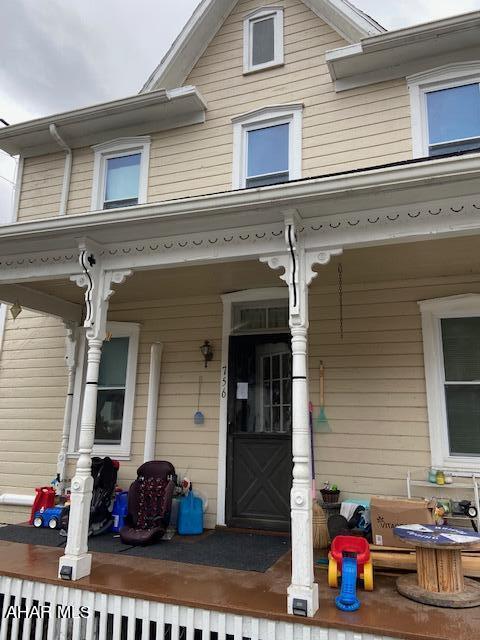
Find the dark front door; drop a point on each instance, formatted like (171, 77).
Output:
(259, 459)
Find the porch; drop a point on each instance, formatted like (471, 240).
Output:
(151, 599)
(366, 328)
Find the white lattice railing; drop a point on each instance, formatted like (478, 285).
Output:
(110, 617)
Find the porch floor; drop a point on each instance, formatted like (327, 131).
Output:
(383, 612)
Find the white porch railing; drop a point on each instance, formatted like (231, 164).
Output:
(110, 617)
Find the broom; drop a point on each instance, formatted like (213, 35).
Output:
(321, 423)
(319, 521)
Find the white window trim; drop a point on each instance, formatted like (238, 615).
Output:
(461, 306)
(290, 114)
(445, 77)
(120, 451)
(264, 12)
(115, 149)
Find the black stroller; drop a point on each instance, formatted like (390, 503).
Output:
(104, 474)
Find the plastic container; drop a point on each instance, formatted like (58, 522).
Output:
(190, 515)
(120, 510)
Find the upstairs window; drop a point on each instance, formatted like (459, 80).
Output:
(267, 155)
(453, 119)
(267, 147)
(120, 173)
(445, 109)
(263, 39)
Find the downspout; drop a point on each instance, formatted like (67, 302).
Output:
(16, 499)
(67, 171)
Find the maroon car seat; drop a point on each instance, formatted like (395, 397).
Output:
(149, 503)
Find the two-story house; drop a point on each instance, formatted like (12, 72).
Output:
(293, 188)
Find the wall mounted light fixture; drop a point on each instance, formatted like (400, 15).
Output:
(207, 352)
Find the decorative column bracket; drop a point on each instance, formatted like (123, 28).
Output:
(98, 284)
(297, 263)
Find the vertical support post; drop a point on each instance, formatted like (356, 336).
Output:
(70, 361)
(303, 591)
(302, 594)
(152, 402)
(76, 562)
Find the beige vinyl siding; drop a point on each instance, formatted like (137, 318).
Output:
(32, 400)
(357, 128)
(33, 387)
(352, 129)
(375, 388)
(41, 187)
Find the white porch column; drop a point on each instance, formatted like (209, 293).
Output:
(70, 361)
(152, 403)
(76, 563)
(297, 262)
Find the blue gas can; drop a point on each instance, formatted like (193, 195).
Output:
(120, 510)
(190, 515)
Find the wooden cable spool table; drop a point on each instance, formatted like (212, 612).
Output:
(439, 580)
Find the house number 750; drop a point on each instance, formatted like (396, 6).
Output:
(224, 382)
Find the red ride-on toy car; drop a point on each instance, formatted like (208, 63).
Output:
(350, 546)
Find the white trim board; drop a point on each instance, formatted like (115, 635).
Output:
(248, 295)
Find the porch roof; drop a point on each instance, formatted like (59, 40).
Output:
(368, 190)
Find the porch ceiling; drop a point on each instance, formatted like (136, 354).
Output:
(370, 264)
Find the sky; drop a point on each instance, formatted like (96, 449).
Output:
(57, 55)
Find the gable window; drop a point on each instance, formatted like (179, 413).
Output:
(451, 335)
(267, 147)
(116, 391)
(445, 106)
(263, 39)
(120, 173)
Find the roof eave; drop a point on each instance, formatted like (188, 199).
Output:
(398, 53)
(100, 122)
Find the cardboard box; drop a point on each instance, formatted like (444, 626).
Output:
(387, 513)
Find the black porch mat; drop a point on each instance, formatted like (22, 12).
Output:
(242, 551)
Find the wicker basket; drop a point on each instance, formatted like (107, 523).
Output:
(329, 495)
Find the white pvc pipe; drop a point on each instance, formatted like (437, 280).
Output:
(67, 171)
(152, 403)
(16, 499)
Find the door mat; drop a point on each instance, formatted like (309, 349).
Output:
(241, 551)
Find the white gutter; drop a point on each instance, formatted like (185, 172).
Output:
(67, 171)
(16, 499)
